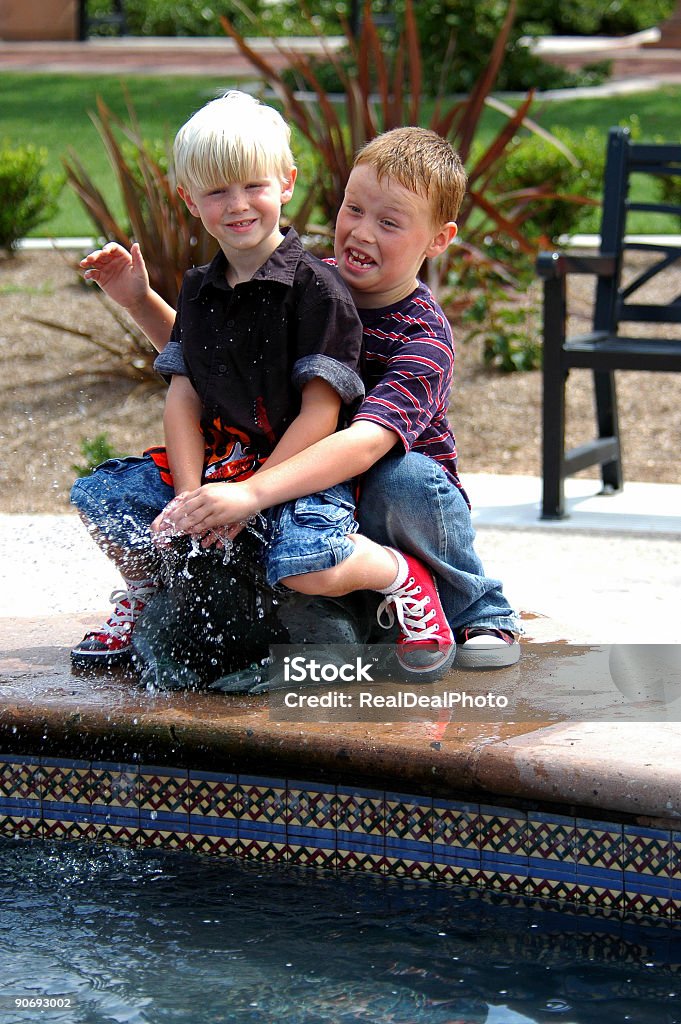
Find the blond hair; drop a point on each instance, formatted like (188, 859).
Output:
(423, 162)
(232, 139)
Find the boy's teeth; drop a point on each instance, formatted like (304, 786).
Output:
(358, 257)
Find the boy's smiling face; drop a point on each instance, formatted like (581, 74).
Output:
(383, 234)
(243, 216)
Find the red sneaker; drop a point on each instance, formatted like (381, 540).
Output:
(425, 647)
(112, 644)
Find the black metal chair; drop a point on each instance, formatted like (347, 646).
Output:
(606, 348)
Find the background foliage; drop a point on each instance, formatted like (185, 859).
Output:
(29, 193)
(475, 27)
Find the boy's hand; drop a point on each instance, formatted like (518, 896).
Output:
(207, 509)
(163, 528)
(119, 273)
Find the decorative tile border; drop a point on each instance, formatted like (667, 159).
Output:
(596, 866)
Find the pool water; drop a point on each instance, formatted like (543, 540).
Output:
(147, 937)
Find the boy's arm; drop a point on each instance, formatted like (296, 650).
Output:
(123, 276)
(185, 443)
(334, 459)
(318, 417)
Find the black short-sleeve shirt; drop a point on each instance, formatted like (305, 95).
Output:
(249, 350)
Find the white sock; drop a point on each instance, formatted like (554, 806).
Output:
(402, 573)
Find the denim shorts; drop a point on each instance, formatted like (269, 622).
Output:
(122, 498)
(311, 533)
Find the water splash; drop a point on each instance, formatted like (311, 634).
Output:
(194, 550)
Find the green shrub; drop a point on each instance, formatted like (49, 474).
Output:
(569, 174)
(29, 194)
(94, 450)
(506, 319)
(441, 24)
(670, 192)
(591, 17)
(570, 178)
(170, 17)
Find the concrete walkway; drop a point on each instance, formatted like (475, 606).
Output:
(610, 573)
(149, 56)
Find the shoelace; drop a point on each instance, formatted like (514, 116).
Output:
(128, 605)
(410, 612)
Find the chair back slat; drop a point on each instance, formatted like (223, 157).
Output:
(614, 294)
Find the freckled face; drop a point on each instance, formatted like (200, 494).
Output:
(383, 234)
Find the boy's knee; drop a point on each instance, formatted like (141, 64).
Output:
(324, 583)
(80, 493)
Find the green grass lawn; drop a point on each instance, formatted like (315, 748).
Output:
(53, 111)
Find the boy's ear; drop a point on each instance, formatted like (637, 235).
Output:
(441, 240)
(288, 186)
(191, 206)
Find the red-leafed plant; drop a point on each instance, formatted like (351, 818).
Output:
(383, 90)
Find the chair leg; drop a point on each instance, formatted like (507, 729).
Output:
(607, 419)
(553, 442)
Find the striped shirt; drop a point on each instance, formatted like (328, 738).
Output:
(409, 363)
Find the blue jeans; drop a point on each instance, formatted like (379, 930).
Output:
(408, 502)
(123, 497)
(310, 533)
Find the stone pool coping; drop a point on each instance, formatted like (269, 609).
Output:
(604, 769)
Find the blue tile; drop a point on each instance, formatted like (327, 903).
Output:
(246, 827)
(364, 841)
(505, 862)
(560, 870)
(261, 782)
(122, 817)
(64, 762)
(408, 848)
(323, 836)
(456, 856)
(163, 820)
(8, 805)
(361, 793)
(601, 877)
(57, 810)
(117, 767)
(200, 825)
(635, 882)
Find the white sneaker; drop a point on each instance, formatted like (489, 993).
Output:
(485, 647)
